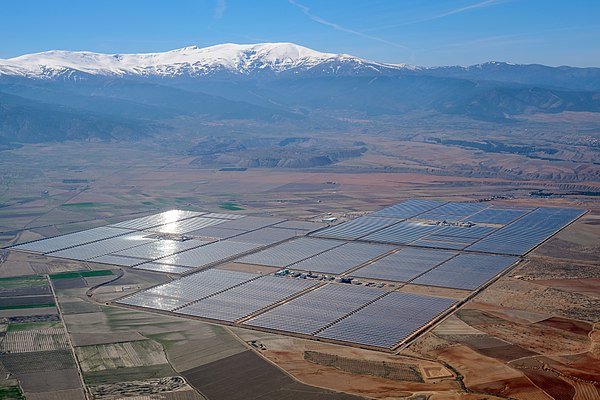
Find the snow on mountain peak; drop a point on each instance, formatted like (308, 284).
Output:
(234, 58)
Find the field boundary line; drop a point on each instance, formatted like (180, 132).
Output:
(79, 370)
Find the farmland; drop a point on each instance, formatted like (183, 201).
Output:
(491, 347)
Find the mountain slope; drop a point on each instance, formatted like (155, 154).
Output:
(225, 59)
(58, 95)
(533, 74)
(27, 121)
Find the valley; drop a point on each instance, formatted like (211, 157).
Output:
(278, 131)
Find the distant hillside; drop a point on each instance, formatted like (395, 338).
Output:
(62, 95)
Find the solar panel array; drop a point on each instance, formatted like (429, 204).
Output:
(402, 233)
(483, 242)
(156, 246)
(404, 265)
(268, 235)
(209, 254)
(299, 225)
(224, 216)
(497, 215)
(524, 234)
(164, 268)
(151, 221)
(466, 271)
(480, 227)
(102, 247)
(356, 228)
(72, 239)
(342, 258)
(187, 225)
(161, 248)
(453, 211)
(408, 208)
(290, 252)
(241, 301)
(388, 320)
(173, 295)
(251, 223)
(216, 232)
(316, 309)
(119, 260)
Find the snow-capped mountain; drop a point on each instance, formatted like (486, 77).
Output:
(274, 58)
(70, 95)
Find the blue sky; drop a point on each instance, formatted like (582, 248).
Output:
(421, 32)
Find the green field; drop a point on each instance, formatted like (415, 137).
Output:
(11, 392)
(23, 281)
(81, 274)
(128, 374)
(85, 205)
(27, 326)
(230, 206)
(24, 306)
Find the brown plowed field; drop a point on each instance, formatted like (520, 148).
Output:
(247, 376)
(548, 380)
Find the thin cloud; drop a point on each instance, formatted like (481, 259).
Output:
(481, 4)
(340, 28)
(219, 9)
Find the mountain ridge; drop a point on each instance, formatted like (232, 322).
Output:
(191, 61)
(272, 86)
(237, 59)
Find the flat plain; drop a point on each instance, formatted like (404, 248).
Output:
(532, 334)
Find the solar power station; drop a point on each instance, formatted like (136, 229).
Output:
(354, 283)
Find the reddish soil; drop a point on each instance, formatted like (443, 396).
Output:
(588, 286)
(546, 379)
(581, 366)
(577, 327)
(488, 374)
(516, 388)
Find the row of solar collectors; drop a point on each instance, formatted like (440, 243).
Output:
(353, 314)
(453, 211)
(422, 209)
(290, 252)
(466, 271)
(521, 236)
(430, 235)
(408, 208)
(388, 320)
(72, 239)
(57, 243)
(166, 251)
(357, 228)
(164, 218)
(404, 265)
(102, 247)
(199, 224)
(390, 225)
(170, 222)
(139, 251)
(442, 268)
(516, 238)
(219, 294)
(176, 294)
(342, 258)
(316, 309)
(136, 249)
(241, 301)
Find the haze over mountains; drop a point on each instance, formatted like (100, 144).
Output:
(64, 95)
